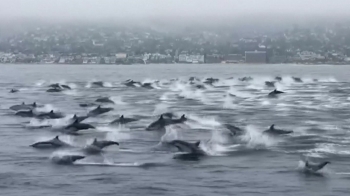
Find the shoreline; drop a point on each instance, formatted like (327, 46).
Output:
(178, 64)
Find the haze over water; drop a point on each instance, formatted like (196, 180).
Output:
(251, 164)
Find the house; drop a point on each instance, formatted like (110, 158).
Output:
(255, 57)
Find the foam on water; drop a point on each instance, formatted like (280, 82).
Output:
(40, 83)
(234, 91)
(118, 100)
(200, 122)
(160, 109)
(228, 103)
(171, 133)
(120, 133)
(255, 138)
(46, 108)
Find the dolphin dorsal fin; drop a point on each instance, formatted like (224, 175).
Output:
(183, 116)
(122, 117)
(51, 112)
(75, 116)
(34, 104)
(56, 137)
(161, 117)
(197, 143)
(99, 107)
(272, 127)
(95, 140)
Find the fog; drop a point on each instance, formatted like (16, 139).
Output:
(173, 11)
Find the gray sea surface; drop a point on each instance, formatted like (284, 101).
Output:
(253, 163)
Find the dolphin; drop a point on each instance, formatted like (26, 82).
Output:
(87, 104)
(315, 167)
(274, 93)
(147, 85)
(54, 90)
(245, 79)
(297, 79)
(193, 79)
(162, 122)
(278, 78)
(123, 120)
(23, 106)
(66, 159)
(104, 100)
(191, 151)
(25, 113)
(66, 86)
(272, 130)
(56, 85)
(210, 80)
(50, 115)
(131, 83)
(53, 143)
(157, 125)
(184, 146)
(79, 118)
(98, 83)
(270, 84)
(14, 90)
(168, 115)
(76, 126)
(99, 110)
(97, 146)
(199, 86)
(176, 121)
(234, 130)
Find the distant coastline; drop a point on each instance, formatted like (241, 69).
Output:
(342, 63)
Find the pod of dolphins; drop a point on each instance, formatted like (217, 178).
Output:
(190, 151)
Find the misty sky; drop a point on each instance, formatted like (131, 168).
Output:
(127, 10)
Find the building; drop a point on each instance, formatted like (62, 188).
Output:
(257, 57)
(277, 59)
(213, 58)
(182, 58)
(195, 59)
(234, 58)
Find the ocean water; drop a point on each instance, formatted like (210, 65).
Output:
(316, 109)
